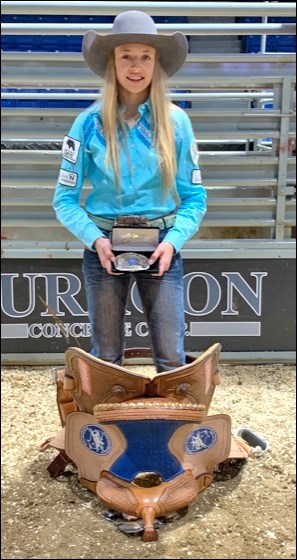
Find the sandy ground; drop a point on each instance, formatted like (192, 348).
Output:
(247, 512)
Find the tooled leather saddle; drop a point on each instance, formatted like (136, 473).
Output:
(118, 425)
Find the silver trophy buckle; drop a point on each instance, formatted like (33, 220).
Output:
(131, 262)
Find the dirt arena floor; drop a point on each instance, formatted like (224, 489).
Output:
(247, 512)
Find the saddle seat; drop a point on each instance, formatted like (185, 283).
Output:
(87, 381)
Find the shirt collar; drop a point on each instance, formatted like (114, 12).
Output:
(145, 107)
(142, 108)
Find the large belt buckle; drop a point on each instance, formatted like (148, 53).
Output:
(126, 221)
(133, 245)
(131, 262)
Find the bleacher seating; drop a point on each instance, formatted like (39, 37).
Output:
(44, 102)
(48, 43)
(274, 43)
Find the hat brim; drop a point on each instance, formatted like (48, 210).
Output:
(172, 49)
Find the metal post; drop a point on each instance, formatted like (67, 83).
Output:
(263, 37)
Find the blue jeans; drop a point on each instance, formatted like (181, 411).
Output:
(163, 305)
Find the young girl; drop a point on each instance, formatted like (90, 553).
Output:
(138, 152)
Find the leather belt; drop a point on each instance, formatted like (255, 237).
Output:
(163, 222)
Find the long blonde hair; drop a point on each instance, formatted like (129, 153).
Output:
(163, 133)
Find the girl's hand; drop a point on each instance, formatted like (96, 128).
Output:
(164, 253)
(104, 251)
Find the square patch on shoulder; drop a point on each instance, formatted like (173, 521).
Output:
(70, 149)
(196, 176)
(67, 178)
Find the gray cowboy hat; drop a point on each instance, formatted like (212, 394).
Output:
(134, 27)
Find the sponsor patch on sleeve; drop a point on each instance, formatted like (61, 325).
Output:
(70, 149)
(194, 152)
(196, 176)
(67, 178)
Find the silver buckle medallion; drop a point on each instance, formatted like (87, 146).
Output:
(131, 262)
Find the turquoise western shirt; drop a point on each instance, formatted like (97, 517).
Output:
(140, 193)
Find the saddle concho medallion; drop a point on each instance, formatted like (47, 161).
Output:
(120, 429)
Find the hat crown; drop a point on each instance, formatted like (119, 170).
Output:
(134, 22)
